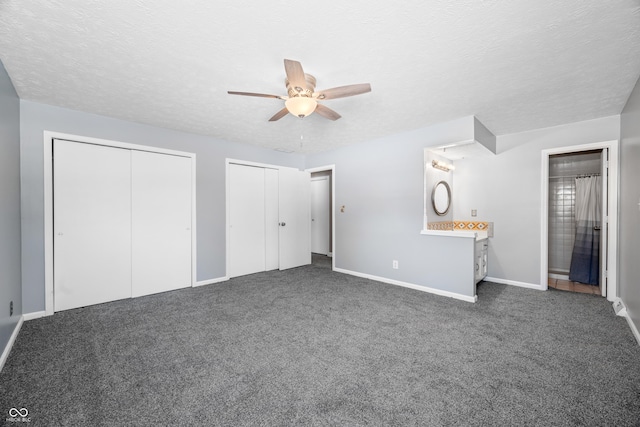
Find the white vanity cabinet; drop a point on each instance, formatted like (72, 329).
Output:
(481, 259)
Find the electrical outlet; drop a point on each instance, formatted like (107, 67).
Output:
(11, 308)
(395, 264)
(474, 212)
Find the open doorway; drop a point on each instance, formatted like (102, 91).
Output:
(579, 219)
(322, 215)
(575, 221)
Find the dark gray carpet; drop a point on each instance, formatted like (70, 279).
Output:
(313, 347)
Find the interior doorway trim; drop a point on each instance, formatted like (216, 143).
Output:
(49, 136)
(612, 200)
(332, 169)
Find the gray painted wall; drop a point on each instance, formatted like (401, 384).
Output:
(484, 136)
(210, 182)
(506, 189)
(10, 280)
(433, 176)
(380, 184)
(629, 242)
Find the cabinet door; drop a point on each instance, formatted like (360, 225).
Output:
(485, 260)
(92, 224)
(161, 222)
(478, 265)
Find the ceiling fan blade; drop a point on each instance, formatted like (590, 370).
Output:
(262, 95)
(327, 112)
(344, 91)
(295, 74)
(280, 114)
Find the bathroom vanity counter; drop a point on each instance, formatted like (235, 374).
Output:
(477, 235)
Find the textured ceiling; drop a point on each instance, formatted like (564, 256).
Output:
(516, 65)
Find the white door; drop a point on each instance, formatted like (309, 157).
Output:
(294, 212)
(272, 261)
(246, 220)
(320, 215)
(161, 222)
(92, 224)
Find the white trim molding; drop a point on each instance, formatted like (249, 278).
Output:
(409, 285)
(9, 346)
(621, 310)
(515, 283)
(211, 281)
(633, 327)
(33, 315)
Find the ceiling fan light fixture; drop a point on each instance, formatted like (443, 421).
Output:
(302, 98)
(301, 106)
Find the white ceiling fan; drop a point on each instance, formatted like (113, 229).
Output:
(302, 98)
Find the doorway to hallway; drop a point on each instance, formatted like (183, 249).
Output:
(323, 211)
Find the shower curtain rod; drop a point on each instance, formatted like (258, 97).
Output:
(582, 175)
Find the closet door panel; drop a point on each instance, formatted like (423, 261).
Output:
(247, 239)
(92, 224)
(271, 219)
(161, 222)
(294, 206)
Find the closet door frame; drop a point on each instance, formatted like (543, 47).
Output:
(49, 137)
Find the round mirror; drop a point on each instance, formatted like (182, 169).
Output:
(441, 198)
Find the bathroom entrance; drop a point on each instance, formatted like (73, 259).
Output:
(578, 233)
(576, 220)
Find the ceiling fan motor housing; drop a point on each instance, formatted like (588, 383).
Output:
(302, 91)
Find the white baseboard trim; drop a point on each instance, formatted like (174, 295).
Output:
(211, 281)
(515, 283)
(9, 346)
(409, 285)
(34, 315)
(633, 327)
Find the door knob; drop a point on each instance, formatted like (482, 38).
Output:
(282, 224)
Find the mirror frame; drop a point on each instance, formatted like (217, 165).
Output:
(433, 198)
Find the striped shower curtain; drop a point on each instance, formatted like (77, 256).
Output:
(585, 260)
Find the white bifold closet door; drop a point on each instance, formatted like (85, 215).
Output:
(122, 223)
(247, 238)
(92, 224)
(161, 222)
(268, 219)
(271, 218)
